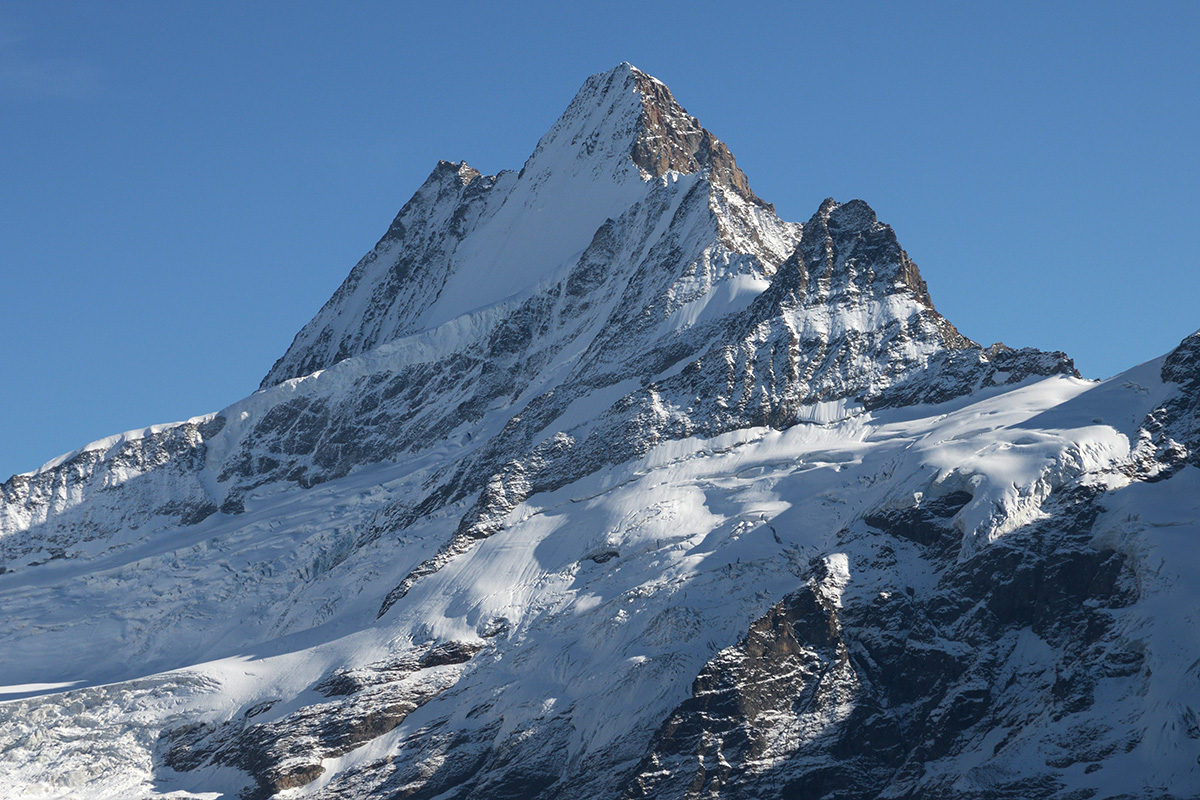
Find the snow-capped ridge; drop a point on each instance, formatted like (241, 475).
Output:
(399, 277)
(597, 480)
(465, 241)
(625, 113)
(846, 251)
(107, 444)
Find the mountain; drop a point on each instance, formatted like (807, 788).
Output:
(598, 479)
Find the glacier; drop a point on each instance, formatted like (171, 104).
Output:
(598, 479)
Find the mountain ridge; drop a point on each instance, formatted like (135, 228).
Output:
(575, 459)
(619, 121)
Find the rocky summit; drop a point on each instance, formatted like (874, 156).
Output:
(597, 479)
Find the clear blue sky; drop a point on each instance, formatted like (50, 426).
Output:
(185, 184)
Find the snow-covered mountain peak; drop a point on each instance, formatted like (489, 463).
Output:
(848, 238)
(626, 114)
(756, 518)
(670, 139)
(465, 241)
(598, 127)
(464, 172)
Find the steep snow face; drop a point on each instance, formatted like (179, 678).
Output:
(579, 176)
(466, 241)
(611, 423)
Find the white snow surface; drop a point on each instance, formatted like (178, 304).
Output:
(707, 533)
(599, 600)
(519, 231)
(579, 176)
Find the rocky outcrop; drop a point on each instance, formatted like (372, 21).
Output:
(285, 751)
(671, 140)
(862, 684)
(1170, 434)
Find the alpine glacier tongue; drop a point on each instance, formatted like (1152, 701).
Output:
(599, 480)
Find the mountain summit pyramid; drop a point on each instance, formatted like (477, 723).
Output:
(598, 479)
(478, 239)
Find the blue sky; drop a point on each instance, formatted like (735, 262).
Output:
(186, 183)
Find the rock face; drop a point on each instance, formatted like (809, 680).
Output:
(598, 479)
(1171, 432)
(886, 688)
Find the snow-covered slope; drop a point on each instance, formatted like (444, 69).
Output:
(467, 241)
(599, 479)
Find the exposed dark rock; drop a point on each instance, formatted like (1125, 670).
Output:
(673, 140)
(285, 753)
(855, 698)
(157, 486)
(1170, 434)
